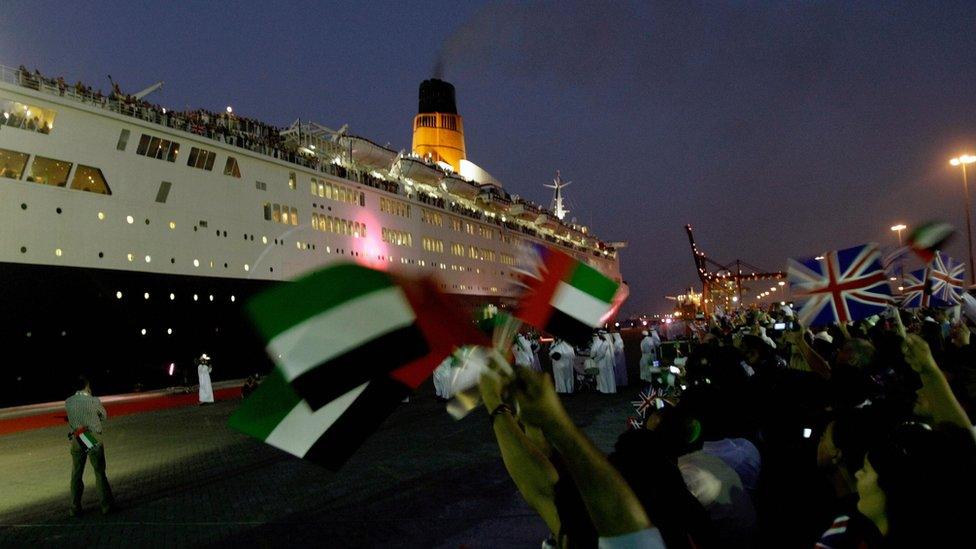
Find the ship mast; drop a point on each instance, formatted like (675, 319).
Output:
(557, 199)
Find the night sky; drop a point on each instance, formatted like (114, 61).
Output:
(777, 129)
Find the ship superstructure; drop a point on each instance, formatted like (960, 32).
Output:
(130, 236)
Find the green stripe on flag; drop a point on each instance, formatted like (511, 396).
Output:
(593, 282)
(264, 409)
(286, 305)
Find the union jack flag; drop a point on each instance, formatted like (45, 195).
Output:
(635, 424)
(917, 292)
(938, 285)
(840, 286)
(648, 400)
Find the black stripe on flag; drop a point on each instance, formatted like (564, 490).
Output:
(374, 358)
(569, 328)
(363, 417)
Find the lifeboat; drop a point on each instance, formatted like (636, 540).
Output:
(418, 170)
(367, 153)
(459, 186)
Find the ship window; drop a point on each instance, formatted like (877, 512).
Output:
(12, 163)
(362, 199)
(276, 213)
(163, 193)
(49, 171)
(201, 158)
(90, 179)
(231, 168)
(267, 212)
(123, 140)
(292, 180)
(26, 117)
(294, 216)
(260, 185)
(143, 145)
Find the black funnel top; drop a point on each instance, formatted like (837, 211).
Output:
(437, 95)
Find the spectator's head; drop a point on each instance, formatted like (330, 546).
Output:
(82, 384)
(914, 485)
(848, 436)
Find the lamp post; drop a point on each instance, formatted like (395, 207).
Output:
(963, 160)
(899, 228)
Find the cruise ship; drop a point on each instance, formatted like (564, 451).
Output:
(130, 236)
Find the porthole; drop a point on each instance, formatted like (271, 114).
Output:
(225, 265)
(264, 240)
(147, 221)
(143, 331)
(129, 220)
(130, 257)
(225, 234)
(233, 299)
(23, 249)
(23, 206)
(172, 297)
(101, 216)
(58, 210)
(218, 233)
(172, 224)
(194, 228)
(118, 294)
(148, 258)
(271, 269)
(196, 262)
(145, 295)
(211, 297)
(101, 255)
(57, 252)
(169, 331)
(247, 267)
(252, 238)
(196, 297)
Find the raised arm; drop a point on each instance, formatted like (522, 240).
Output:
(533, 473)
(611, 504)
(935, 388)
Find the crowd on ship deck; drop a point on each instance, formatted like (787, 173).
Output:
(765, 434)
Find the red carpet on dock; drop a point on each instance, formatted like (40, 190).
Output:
(138, 404)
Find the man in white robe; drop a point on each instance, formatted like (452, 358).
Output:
(563, 358)
(442, 378)
(602, 354)
(535, 346)
(522, 351)
(203, 372)
(619, 360)
(649, 346)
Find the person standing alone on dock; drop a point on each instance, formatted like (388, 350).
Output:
(85, 416)
(203, 371)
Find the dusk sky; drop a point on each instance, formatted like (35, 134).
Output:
(777, 129)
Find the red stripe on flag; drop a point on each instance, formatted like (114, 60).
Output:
(440, 318)
(535, 308)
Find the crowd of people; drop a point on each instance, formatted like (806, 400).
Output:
(770, 435)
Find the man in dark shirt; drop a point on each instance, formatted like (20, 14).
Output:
(85, 415)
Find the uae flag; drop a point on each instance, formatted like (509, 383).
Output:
(349, 343)
(567, 298)
(86, 439)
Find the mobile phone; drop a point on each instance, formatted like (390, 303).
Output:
(674, 369)
(779, 326)
(807, 432)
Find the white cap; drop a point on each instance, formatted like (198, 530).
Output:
(824, 336)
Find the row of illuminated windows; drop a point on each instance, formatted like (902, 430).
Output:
(484, 254)
(278, 213)
(26, 117)
(508, 259)
(457, 249)
(485, 232)
(49, 171)
(431, 217)
(164, 149)
(395, 207)
(433, 245)
(329, 224)
(397, 238)
(334, 191)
